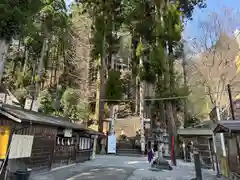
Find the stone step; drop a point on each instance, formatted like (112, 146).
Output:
(129, 152)
(124, 146)
(129, 155)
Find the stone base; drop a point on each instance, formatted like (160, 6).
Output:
(160, 164)
(167, 157)
(103, 150)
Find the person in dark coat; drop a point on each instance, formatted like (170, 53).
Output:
(150, 155)
(149, 152)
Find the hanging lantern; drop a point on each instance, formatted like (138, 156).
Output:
(68, 142)
(62, 142)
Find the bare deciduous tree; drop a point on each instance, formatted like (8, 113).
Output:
(214, 65)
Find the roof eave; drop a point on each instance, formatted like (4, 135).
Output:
(8, 115)
(221, 129)
(54, 125)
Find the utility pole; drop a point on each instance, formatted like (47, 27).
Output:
(231, 101)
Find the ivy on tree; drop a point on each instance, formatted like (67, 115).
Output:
(113, 88)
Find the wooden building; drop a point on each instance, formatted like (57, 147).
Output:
(201, 139)
(42, 142)
(231, 130)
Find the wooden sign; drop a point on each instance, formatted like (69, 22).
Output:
(67, 132)
(21, 146)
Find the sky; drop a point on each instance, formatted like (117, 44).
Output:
(68, 2)
(192, 27)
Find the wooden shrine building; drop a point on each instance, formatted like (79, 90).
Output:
(41, 142)
(231, 131)
(201, 139)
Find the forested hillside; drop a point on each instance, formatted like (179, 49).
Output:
(84, 60)
(45, 60)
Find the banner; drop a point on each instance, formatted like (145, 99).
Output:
(111, 148)
(4, 136)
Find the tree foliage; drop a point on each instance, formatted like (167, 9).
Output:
(43, 52)
(113, 87)
(42, 56)
(72, 105)
(15, 15)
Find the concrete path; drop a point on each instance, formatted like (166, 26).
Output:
(122, 168)
(104, 173)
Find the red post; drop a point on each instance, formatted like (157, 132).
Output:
(172, 148)
(173, 158)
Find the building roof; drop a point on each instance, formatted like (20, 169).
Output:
(195, 132)
(227, 126)
(205, 124)
(35, 117)
(91, 131)
(6, 91)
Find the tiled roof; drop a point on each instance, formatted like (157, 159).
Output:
(39, 118)
(227, 126)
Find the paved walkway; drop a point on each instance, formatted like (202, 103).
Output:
(122, 168)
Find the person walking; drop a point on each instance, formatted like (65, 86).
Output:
(150, 152)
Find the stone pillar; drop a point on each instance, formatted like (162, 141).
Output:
(191, 153)
(152, 144)
(166, 143)
(160, 148)
(197, 163)
(166, 152)
(103, 146)
(184, 151)
(94, 147)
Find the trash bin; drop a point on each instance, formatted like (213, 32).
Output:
(23, 174)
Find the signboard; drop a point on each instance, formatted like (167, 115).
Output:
(21, 146)
(9, 100)
(2, 97)
(67, 132)
(147, 120)
(111, 144)
(30, 102)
